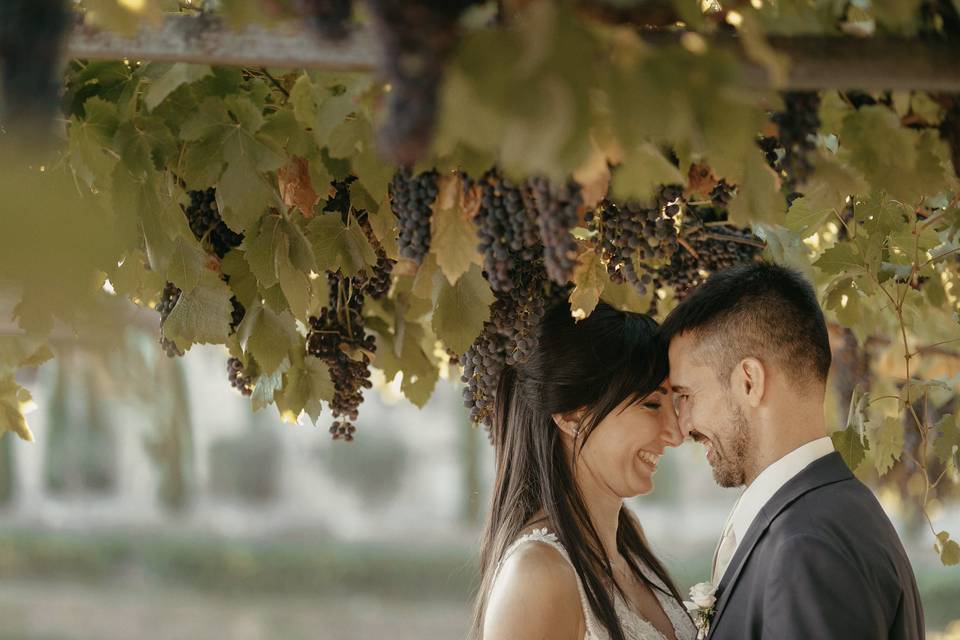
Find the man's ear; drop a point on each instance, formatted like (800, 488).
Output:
(748, 381)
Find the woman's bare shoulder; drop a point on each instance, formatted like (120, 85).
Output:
(535, 596)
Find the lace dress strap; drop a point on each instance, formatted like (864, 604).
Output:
(545, 536)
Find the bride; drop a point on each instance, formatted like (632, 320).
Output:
(577, 429)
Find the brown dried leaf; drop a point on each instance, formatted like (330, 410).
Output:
(295, 186)
(593, 176)
(700, 180)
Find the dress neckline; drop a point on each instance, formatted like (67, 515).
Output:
(629, 618)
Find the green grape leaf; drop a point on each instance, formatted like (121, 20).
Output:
(948, 440)
(177, 75)
(306, 386)
(267, 335)
(383, 223)
(857, 416)
(758, 196)
(301, 252)
(784, 247)
(336, 245)
(187, 264)
(160, 217)
(242, 281)
(89, 141)
(303, 101)
(226, 131)
(851, 447)
(132, 278)
(948, 549)
(833, 110)
(642, 173)
(12, 399)
(844, 298)
(902, 162)
(293, 281)
(936, 391)
(405, 353)
(461, 309)
(886, 443)
(201, 315)
(842, 258)
(804, 217)
(624, 297)
(832, 182)
(589, 276)
(425, 277)
(243, 195)
(454, 236)
(274, 298)
(284, 132)
(262, 245)
(144, 143)
(267, 385)
(22, 351)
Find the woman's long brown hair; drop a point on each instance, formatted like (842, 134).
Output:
(595, 363)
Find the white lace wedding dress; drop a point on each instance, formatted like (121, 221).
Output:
(634, 626)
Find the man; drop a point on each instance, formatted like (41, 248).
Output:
(807, 551)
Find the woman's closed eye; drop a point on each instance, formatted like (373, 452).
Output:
(652, 405)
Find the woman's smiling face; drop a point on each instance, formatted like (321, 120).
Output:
(624, 448)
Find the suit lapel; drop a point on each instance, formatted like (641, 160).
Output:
(823, 471)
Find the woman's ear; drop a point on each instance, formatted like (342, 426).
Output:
(570, 423)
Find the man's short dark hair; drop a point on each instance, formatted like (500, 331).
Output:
(760, 310)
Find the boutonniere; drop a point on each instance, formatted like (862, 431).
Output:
(701, 606)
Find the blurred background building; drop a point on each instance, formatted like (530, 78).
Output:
(156, 504)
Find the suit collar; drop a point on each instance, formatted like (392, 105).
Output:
(823, 471)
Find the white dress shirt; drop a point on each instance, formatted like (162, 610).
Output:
(763, 487)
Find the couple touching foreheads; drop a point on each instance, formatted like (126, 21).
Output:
(740, 366)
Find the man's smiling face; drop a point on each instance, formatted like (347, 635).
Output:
(706, 412)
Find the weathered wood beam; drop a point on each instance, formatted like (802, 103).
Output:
(818, 62)
(206, 40)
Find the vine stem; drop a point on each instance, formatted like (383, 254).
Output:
(686, 245)
(726, 238)
(275, 82)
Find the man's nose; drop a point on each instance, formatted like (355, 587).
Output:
(672, 435)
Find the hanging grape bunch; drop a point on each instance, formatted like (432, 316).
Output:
(788, 153)
(507, 339)
(168, 300)
(203, 216)
(337, 336)
(557, 212)
(634, 239)
(237, 311)
(378, 283)
(411, 198)
(240, 378)
(417, 37)
(508, 232)
(708, 245)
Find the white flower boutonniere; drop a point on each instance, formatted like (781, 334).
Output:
(701, 606)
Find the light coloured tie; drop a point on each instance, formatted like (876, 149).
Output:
(724, 553)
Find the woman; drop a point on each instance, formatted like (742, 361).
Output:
(578, 428)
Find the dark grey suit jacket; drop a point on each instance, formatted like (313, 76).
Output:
(820, 561)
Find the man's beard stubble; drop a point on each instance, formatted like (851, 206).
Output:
(731, 468)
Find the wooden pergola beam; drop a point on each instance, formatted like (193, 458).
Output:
(817, 62)
(206, 40)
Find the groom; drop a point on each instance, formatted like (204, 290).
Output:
(807, 551)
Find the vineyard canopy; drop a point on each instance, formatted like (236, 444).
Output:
(406, 186)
